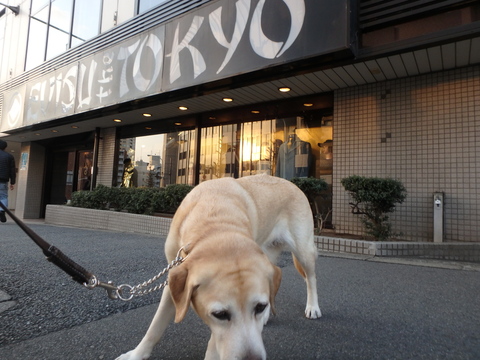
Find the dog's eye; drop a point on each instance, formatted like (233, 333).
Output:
(259, 308)
(222, 315)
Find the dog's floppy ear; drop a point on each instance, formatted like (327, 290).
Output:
(180, 290)
(274, 285)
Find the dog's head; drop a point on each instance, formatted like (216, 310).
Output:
(233, 293)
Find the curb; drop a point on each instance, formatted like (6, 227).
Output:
(429, 263)
(454, 251)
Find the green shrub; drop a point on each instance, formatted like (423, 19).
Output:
(134, 200)
(311, 187)
(173, 196)
(117, 197)
(87, 199)
(373, 198)
(158, 201)
(101, 195)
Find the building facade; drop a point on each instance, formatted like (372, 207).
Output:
(193, 90)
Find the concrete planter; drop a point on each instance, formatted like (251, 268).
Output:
(106, 220)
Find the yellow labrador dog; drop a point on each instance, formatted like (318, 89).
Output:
(233, 231)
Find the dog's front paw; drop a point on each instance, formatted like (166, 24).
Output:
(132, 355)
(313, 312)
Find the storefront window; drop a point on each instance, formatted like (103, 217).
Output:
(217, 152)
(179, 158)
(284, 147)
(257, 148)
(159, 160)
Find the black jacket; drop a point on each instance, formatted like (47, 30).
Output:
(7, 168)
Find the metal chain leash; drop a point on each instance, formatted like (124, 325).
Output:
(126, 292)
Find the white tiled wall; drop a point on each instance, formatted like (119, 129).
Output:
(30, 182)
(423, 131)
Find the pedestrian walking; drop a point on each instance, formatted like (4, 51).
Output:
(7, 174)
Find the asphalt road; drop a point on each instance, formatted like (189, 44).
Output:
(371, 310)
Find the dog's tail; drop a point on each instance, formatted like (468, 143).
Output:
(299, 267)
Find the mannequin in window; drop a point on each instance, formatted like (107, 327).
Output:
(129, 173)
(294, 158)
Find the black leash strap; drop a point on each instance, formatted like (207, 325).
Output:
(54, 255)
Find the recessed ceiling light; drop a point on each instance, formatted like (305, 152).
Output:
(147, 115)
(178, 123)
(74, 127)
(183, 108)
(148, 128)
(308, 104)
(54, 131)
(284, 89)
(227, 99)
(38, 134)
(255, 112)
(117, 120)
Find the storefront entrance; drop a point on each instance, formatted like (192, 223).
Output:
(69, 162)
(70, 171)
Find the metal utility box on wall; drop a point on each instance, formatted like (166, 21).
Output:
(438, 216)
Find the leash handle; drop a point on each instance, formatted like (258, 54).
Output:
(77, 272)
(53, 254)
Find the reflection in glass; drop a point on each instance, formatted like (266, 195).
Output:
(39, 10)
(161, 159)
(129, 178)
(257, 147)
(61, 15)
(36, 44)
(145, 5)
(84, 169)
(285, 147)
(59, 29)
(86, 22)
(179, 155)
(57, 42)
(217, 152)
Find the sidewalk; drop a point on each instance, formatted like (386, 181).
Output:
(371, 309)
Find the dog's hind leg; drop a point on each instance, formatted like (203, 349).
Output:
(305, 265)
(163, 317)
